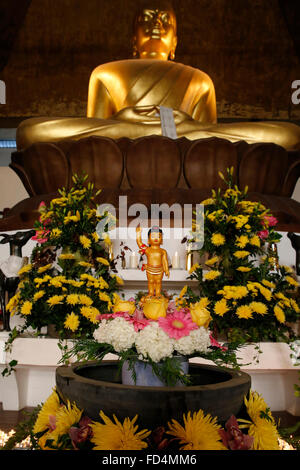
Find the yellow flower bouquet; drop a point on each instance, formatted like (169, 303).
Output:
(68, 282)
(249, 295)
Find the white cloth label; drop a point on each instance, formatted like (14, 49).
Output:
(168, 127)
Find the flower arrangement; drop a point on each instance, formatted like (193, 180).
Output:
(68, 282)
(63, 426)
(156, 333)
(249, 296)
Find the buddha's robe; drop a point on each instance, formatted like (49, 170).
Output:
(124, 99)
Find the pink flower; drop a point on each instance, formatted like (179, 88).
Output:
(177, 324)
(42, 206)
(263, 234)
(138, 320)
(233, 438)
(107, 316)
(270, 221)
(215, 343)
(41, 236)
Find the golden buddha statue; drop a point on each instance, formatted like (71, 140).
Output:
(125, 96)
(157, 260)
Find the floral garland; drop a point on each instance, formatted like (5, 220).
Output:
(60, 426)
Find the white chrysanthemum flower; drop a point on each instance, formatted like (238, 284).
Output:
(121, 334)
(197, 341)
(152, 341)
(100, 333)
(117, 332)
(185, 345)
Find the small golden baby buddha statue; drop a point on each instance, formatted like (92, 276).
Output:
(157, 259)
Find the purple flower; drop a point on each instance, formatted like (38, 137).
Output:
(233, 438)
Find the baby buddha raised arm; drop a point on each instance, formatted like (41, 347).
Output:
(157, 259)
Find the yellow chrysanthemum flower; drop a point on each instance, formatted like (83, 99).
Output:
(269, 284)
(105, 297)
(26, 308)
(56, 232)
(72, 299)
(102, 260)
(95, 236)
(243, 269)
(212, 261)
(194, 268)
(255, 241)
(118, 279)
(85, 300)
(265, 292)
(241, 254)
(13, 303)
(218, 239)
(66, 417)
(183, 291)
(211, 275)
(85, 264)
(240, 220)
(67, 256)
(242, 241)
(91, 313)
(221, 307)
(47, 414)
(75, 283)
(208, 202)
(233, 292)
(85, 241)
(287, 269)
(291, 281)
(262, 426)
(72, 322)
(117, 436)
(294, 305)
(25, 269)
(199, 432)
(38, 295)
(55, 300)
(56, 282)
(259, 307)
(279, 314)
(42, 269)
(106, 239)
(244, 311)
(103, 284)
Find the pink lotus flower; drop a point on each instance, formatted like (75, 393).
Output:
(215, 343)
(177, 324)
(270, 221)
(233, 438)
(263, 234)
